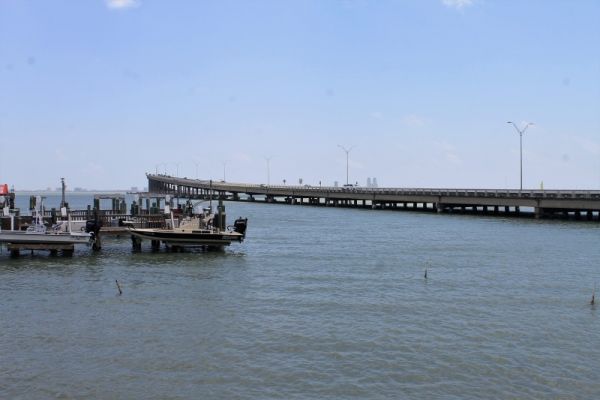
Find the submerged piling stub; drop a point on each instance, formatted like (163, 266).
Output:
(136, 243)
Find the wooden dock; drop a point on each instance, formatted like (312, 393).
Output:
(16, 248)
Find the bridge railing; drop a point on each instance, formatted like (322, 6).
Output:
(325, 190)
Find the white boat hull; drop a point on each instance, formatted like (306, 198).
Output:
(22, 237)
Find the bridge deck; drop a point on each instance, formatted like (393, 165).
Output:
(545, 203)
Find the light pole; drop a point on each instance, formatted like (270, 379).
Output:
(224, 164)
(347, 155)
(521, 132)
(196, 164)
(159, 164)
(268, 159)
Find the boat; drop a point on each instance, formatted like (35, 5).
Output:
(38, 233)
(205, 230)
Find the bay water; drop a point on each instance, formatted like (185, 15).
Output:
(323, 303)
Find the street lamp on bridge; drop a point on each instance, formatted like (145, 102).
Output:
(347, 155)
(268, 159)
(521, 132)
(158, 165)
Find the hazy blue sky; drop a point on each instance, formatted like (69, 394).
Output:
(101, 91)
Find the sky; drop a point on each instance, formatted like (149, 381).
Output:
(101, 92)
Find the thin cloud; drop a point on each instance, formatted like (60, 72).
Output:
(59, 155)
(458, 4)
(449, 152)
(376, 115)
(413, 121)
(587, 145)
(121, 4)
(94, 169)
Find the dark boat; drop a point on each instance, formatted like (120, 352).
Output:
(204, 230)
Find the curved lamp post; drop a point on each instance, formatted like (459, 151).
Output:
(347, 155)
(521, 132)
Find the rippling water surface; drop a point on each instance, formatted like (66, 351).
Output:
(317, 303)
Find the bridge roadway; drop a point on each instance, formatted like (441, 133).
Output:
(567, 204)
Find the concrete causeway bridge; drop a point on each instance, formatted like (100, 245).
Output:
(563, 204)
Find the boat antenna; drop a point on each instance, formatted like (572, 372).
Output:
(62, 201)
(210, 196)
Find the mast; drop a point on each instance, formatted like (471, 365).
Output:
(62, 201)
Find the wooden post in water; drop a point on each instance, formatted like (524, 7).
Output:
(136, 243)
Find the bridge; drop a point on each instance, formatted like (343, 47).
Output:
(563, 204)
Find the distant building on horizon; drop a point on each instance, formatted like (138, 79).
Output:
(372, 182)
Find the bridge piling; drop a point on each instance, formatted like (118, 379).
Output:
(546, 204)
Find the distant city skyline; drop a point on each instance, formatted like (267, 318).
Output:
(103, 91)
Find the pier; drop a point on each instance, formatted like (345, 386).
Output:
(547, 204)
(65, 249)
(98, 221)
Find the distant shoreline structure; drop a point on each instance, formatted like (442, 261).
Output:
(70, 192)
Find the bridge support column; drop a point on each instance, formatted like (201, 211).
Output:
(539, 212)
